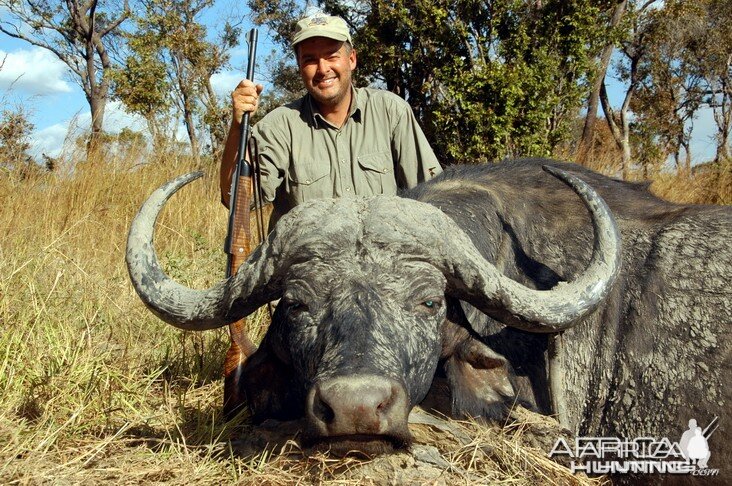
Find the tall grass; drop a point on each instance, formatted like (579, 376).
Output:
(94, 388)
(708, 183)
(82, 362)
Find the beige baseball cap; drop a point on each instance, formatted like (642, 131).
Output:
(321, 25)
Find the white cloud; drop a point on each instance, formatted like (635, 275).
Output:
(50, 140)
(116, 118)
(223, 83)
(35, 71)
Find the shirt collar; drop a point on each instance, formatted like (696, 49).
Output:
(355, 109)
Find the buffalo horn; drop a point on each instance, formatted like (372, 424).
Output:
(190, 309)
(479, 282)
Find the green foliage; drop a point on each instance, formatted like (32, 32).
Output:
(667, 97)
(678, 59)
(141, 82)
(169, 66)
(485, 79)
(15, 131)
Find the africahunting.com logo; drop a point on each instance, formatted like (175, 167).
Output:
(643, 455)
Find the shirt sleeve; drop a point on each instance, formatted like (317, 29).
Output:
(415, 160)
(273, 154)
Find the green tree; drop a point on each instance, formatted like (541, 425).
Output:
(81, 33)
(170, 64)
(15, 132)
(485, 79)
(519, 83)
(141, 83)
(669, 90)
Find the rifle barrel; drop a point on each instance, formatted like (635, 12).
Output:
(238, 232)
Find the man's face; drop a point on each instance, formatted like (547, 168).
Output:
(325, 67)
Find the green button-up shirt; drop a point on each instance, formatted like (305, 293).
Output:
(379, 147)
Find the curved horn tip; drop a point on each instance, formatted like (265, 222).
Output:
(174, 303)
(189, 177)
(556, 172)
(564, 305)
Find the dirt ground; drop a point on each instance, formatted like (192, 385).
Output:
(444, 451)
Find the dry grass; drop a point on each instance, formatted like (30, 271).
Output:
(94, 388)
(709, 183)
(86, 373)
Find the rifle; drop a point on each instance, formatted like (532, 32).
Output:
(238, 248)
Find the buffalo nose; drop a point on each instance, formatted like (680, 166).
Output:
(353, 405)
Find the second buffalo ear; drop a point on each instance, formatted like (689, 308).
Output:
(479, 380)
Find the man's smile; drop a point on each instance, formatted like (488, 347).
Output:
(326, 82)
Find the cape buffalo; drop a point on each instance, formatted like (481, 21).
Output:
(507, 281)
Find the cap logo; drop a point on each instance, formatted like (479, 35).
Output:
(318, 21)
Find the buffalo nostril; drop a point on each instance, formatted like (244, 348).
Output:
(321, 409)
(384, 406)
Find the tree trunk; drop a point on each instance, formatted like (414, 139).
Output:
(677, 159)
(185, 85)
(723, 117)
(95, 98)
(682, 167)
(723, 152)
(723, 129)
(588, 132)
(190, 126)
(621, 133)
(97, 103)
(156, 133)
(626, 155)
(217, 127)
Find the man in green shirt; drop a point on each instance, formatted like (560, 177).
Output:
(336, 141)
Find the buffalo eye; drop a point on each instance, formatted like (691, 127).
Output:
(295, 307)
(430, 306)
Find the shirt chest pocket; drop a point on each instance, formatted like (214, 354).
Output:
(308, 179)
(375, 175)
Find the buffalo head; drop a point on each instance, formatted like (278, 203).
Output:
(370, 291)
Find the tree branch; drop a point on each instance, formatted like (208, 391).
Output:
(62, 56)
(124, 15)
(610, 116)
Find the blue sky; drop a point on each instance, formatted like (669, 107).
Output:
(37, 81)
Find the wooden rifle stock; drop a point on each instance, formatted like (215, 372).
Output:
(238, 248)
(241, 346)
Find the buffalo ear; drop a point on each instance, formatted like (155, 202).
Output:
(479, 380)
(270, 387)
